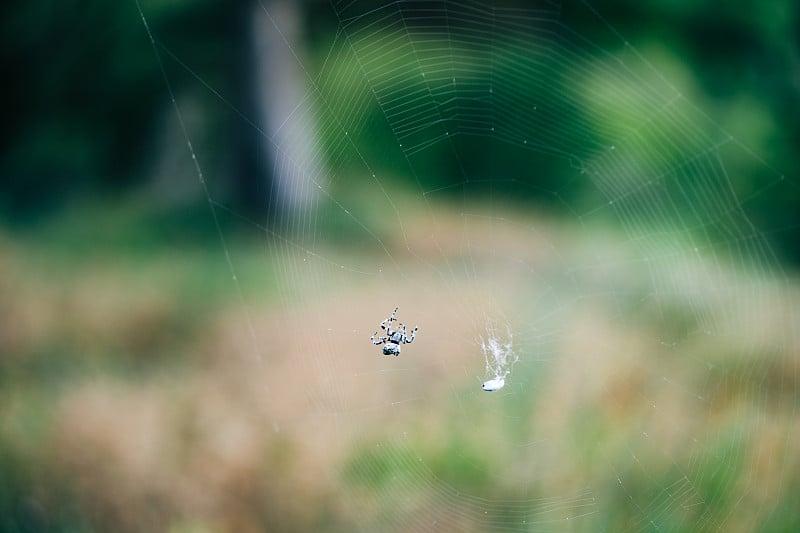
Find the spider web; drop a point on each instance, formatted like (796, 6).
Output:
(566, 189)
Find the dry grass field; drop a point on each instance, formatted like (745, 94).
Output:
(144, 390)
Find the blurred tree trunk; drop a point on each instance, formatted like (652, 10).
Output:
(279, 162)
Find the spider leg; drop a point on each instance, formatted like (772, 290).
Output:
(413, 334)
(381, 339)
(389, 320)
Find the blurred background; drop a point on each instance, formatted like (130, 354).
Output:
(207, 208)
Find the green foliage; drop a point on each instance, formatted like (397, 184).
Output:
(85, 92)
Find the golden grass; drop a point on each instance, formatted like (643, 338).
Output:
(161, 410)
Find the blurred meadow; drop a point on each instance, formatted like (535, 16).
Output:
(207, 209)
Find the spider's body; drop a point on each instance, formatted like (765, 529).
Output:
(394, 337)
(391, 348)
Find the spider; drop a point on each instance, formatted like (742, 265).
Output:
(394, 337)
